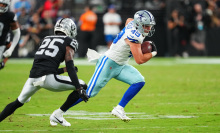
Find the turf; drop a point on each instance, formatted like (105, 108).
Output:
(180, 95)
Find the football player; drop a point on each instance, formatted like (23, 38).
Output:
(114, 62)
(8, 21)
(45, 73)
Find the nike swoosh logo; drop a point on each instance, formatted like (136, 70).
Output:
(58, 120)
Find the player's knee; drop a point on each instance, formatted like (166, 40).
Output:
(93, 95)
(139, 85)
(142, 83)
(28, 100)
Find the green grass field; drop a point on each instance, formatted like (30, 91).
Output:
(180, 95)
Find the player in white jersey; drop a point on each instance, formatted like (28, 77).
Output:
(113, 64)
(120, 51)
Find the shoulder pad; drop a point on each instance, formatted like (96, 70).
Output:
(74, 44)
(133, 35)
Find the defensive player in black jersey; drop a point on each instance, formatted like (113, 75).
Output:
(45, 73)
(8, 21)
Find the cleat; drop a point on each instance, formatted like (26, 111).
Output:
(120, 113)
(57, 117)
(2, 65)
(53, 123)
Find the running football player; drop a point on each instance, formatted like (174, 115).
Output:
(114, 63)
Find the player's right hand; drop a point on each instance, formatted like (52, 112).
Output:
(82, 94)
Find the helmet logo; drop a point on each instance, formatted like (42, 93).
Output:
(140, 16)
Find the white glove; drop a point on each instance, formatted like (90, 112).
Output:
(154, 53)
(7, 53)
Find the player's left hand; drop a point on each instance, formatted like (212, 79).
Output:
(82, 94)
(154, 48)
(7, 53)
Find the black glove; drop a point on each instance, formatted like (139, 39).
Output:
(84, 86)
(154, 48)
(76, 68)
(82, 94)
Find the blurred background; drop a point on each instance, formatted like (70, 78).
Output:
(184, 28)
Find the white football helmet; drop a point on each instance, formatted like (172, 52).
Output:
(144, 18)
(67, 26)
(7, 3)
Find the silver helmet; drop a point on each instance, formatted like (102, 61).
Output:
(142, 19)
(67, 26)
(7, 4)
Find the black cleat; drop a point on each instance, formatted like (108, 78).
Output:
(2, 65)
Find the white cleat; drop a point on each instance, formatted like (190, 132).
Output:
(57, 117)
(120, 113)
(53, 123)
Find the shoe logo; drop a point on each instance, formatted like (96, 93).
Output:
(58, 120)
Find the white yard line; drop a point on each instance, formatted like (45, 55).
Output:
(84, 115)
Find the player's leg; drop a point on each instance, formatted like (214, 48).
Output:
(61, 83)
(2, 48)
(27, 91)
(98, 80)
(132, 76)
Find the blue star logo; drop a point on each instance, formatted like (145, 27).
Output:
(141, 16)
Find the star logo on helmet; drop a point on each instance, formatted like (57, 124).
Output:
(141, 16)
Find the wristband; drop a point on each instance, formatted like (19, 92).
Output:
(154, 53)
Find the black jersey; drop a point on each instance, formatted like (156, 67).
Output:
(50, 54)
(5, 20)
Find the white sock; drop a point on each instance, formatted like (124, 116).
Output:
(59, 111)
(119, 106)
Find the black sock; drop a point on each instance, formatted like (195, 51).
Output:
(72, 98)
(9, 109)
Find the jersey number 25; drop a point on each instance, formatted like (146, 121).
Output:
(47, 45)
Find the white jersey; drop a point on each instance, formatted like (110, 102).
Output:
(119, 51)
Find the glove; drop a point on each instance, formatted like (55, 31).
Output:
(82, 94)
(7, 53)
(76, 68)
(154, 48)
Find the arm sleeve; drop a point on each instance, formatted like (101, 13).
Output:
(16, 38)
(72, 73)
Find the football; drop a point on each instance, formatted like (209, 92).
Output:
(146, 47)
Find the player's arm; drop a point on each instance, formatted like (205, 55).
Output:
(72, 72)
(139, 57)
(128, 20)
(16, 32)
